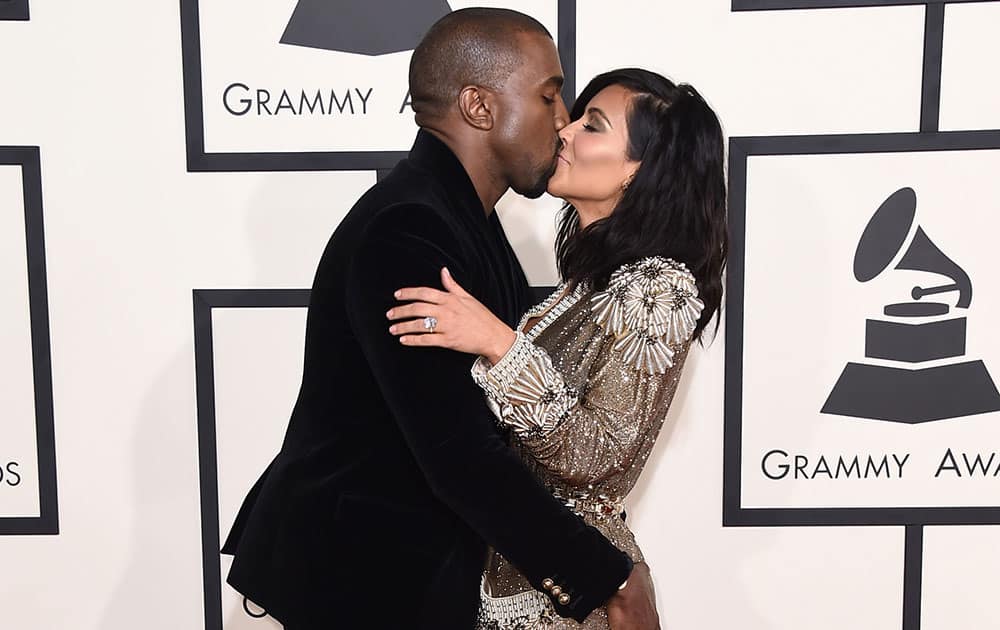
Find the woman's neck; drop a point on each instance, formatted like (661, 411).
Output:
(590, 211)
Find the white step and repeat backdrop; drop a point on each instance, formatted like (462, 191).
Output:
(169, 174)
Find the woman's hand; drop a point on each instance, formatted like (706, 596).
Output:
(463, 323)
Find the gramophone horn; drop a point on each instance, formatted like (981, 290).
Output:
(885, 234)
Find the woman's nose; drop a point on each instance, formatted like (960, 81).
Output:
(563, 139)
(566, 134)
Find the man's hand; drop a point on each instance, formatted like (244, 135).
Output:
(634, 607)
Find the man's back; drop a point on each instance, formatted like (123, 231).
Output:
(346, 490)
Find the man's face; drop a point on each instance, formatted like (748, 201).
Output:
(530, 114)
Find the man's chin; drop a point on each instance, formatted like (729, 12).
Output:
(536, 190)
(539, 187)
(533, 193)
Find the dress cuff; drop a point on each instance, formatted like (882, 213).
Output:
(498, 379)
(529, 392)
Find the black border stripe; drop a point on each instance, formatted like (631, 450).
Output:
(913, 559)
(194, 115)
(862, 143)
(204, 363)
(305, 161)
(880, 516)
(29, 159)
(930, 91)
(732, 433)
(567, 49)
(778, 5)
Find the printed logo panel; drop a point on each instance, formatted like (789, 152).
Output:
(306, 76)
(869, 357)
(19, 496)
(28, 503)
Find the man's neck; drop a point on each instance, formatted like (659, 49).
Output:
(471, 156)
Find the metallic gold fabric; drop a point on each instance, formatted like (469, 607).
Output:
(585, 411)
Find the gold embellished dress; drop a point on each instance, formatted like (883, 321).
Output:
(584, 392)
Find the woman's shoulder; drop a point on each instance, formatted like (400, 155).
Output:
(651, 307)
(654, 271)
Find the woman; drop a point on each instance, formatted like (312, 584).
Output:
(585, 381)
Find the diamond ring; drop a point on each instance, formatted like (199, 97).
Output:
(430, 323)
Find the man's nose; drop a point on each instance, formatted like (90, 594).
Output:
(562, 115)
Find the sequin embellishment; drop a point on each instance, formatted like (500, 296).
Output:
(649, 306)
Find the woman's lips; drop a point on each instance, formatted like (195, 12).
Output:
(563, 159)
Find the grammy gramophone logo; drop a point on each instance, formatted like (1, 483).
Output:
(365, 27)
(905, 386)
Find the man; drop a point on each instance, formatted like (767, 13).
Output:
(392, 477)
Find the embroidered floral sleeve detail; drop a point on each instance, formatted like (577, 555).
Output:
(649, 306)
(529, 391)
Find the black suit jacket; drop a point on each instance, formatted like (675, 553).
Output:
(392, 477)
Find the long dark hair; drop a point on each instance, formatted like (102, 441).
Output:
(675, 205)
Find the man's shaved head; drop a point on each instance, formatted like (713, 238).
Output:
(476, 46)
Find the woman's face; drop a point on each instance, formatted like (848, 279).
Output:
(593, 165)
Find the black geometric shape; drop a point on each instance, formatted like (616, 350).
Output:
(885, 234)
(47, 522)
(913, 343)
(369, 27)
(893, 394)
(14, 10)
(916, 309)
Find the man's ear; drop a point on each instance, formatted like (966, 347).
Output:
(476, 106)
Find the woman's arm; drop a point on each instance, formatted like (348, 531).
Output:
(647, 314)
(462, 322)
(583, 435)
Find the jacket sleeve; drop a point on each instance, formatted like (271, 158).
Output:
(585, 434)
(448, 427)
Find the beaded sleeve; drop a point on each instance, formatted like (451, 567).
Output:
(529, 391)
(646, 315)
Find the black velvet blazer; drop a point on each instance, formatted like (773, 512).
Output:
(392, 477)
